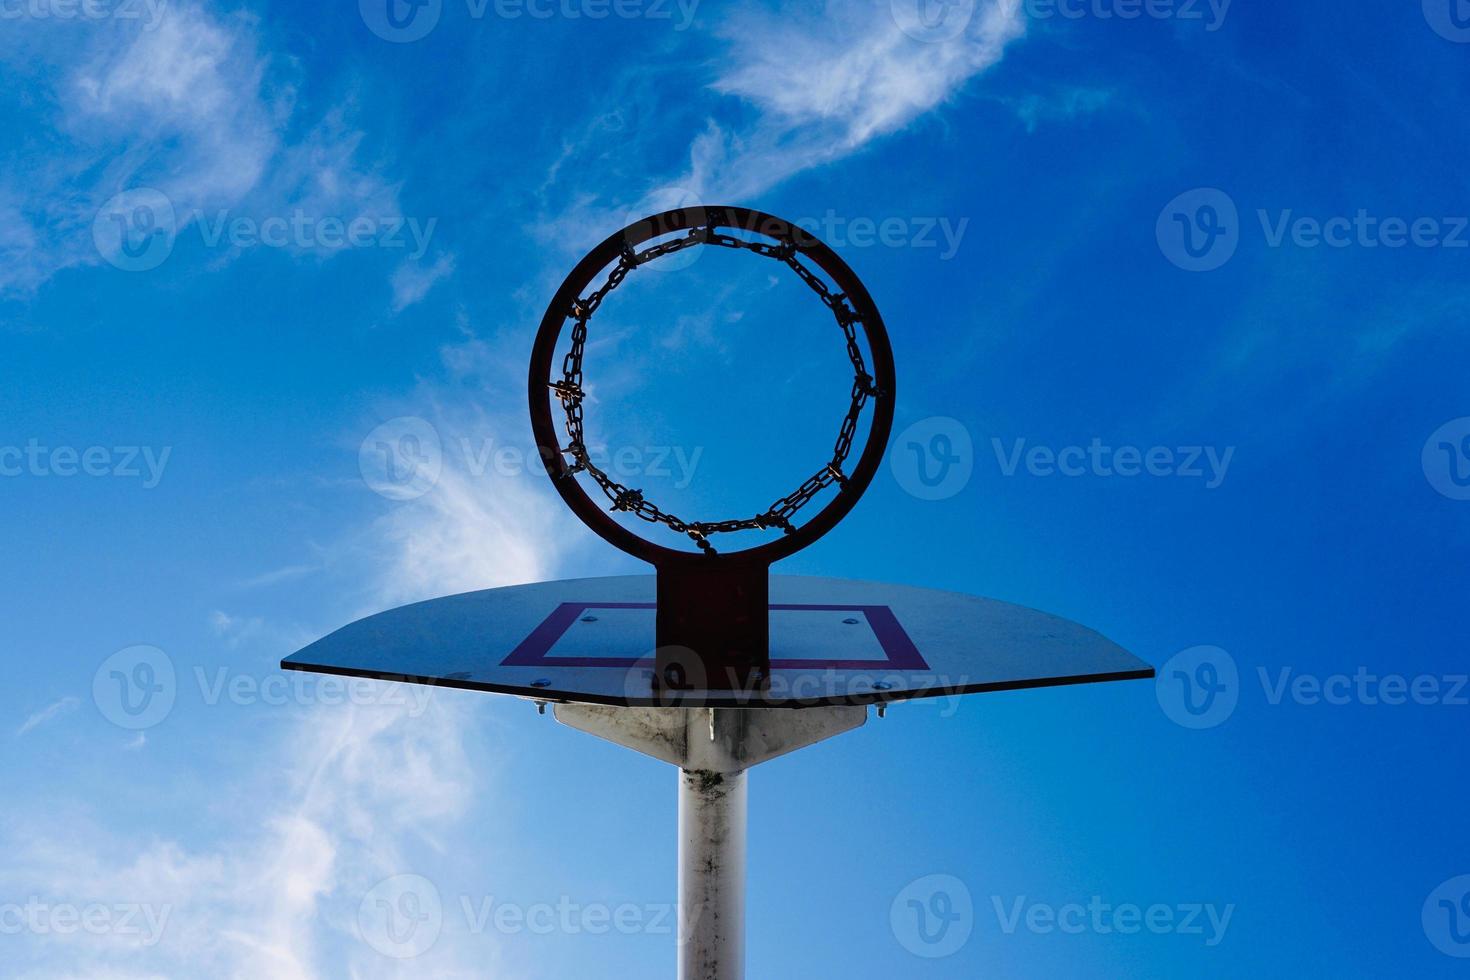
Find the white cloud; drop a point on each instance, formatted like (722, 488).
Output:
(850, 71)
(808, 88)
(488, 520)
(363, 793)
(321, 176)
(276, 576)
(188, 93)
(1066, 104)
(48, 713)
(827, 84)
(467, 533)
(234, 630)
(194, 109)
(412, 280)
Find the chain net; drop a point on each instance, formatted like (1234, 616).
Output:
(569, 391)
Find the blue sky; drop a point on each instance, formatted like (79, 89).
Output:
(1229, 239)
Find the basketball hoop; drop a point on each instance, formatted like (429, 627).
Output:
(701, 595)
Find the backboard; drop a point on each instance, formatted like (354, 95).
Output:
(832, 642)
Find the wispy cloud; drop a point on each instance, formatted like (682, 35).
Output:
(480, 526)
(827, 84)
(193, 108)
(802, 88)
(184, 104)
(49, 713)
(1061, 106)
(412, 280)
(276, 576)
(468, 533)
(359, 793)
(833, 80)
(234, 630)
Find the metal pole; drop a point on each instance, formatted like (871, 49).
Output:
(711, 875)
(713, 748)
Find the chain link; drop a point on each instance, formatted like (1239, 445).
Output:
(569, 390)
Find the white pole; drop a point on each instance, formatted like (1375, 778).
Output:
(711, 875)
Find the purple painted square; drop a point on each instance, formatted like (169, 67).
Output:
(535, 650)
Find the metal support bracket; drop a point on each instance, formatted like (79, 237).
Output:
(712, 739)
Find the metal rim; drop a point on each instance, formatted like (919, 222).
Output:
(548, 440)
